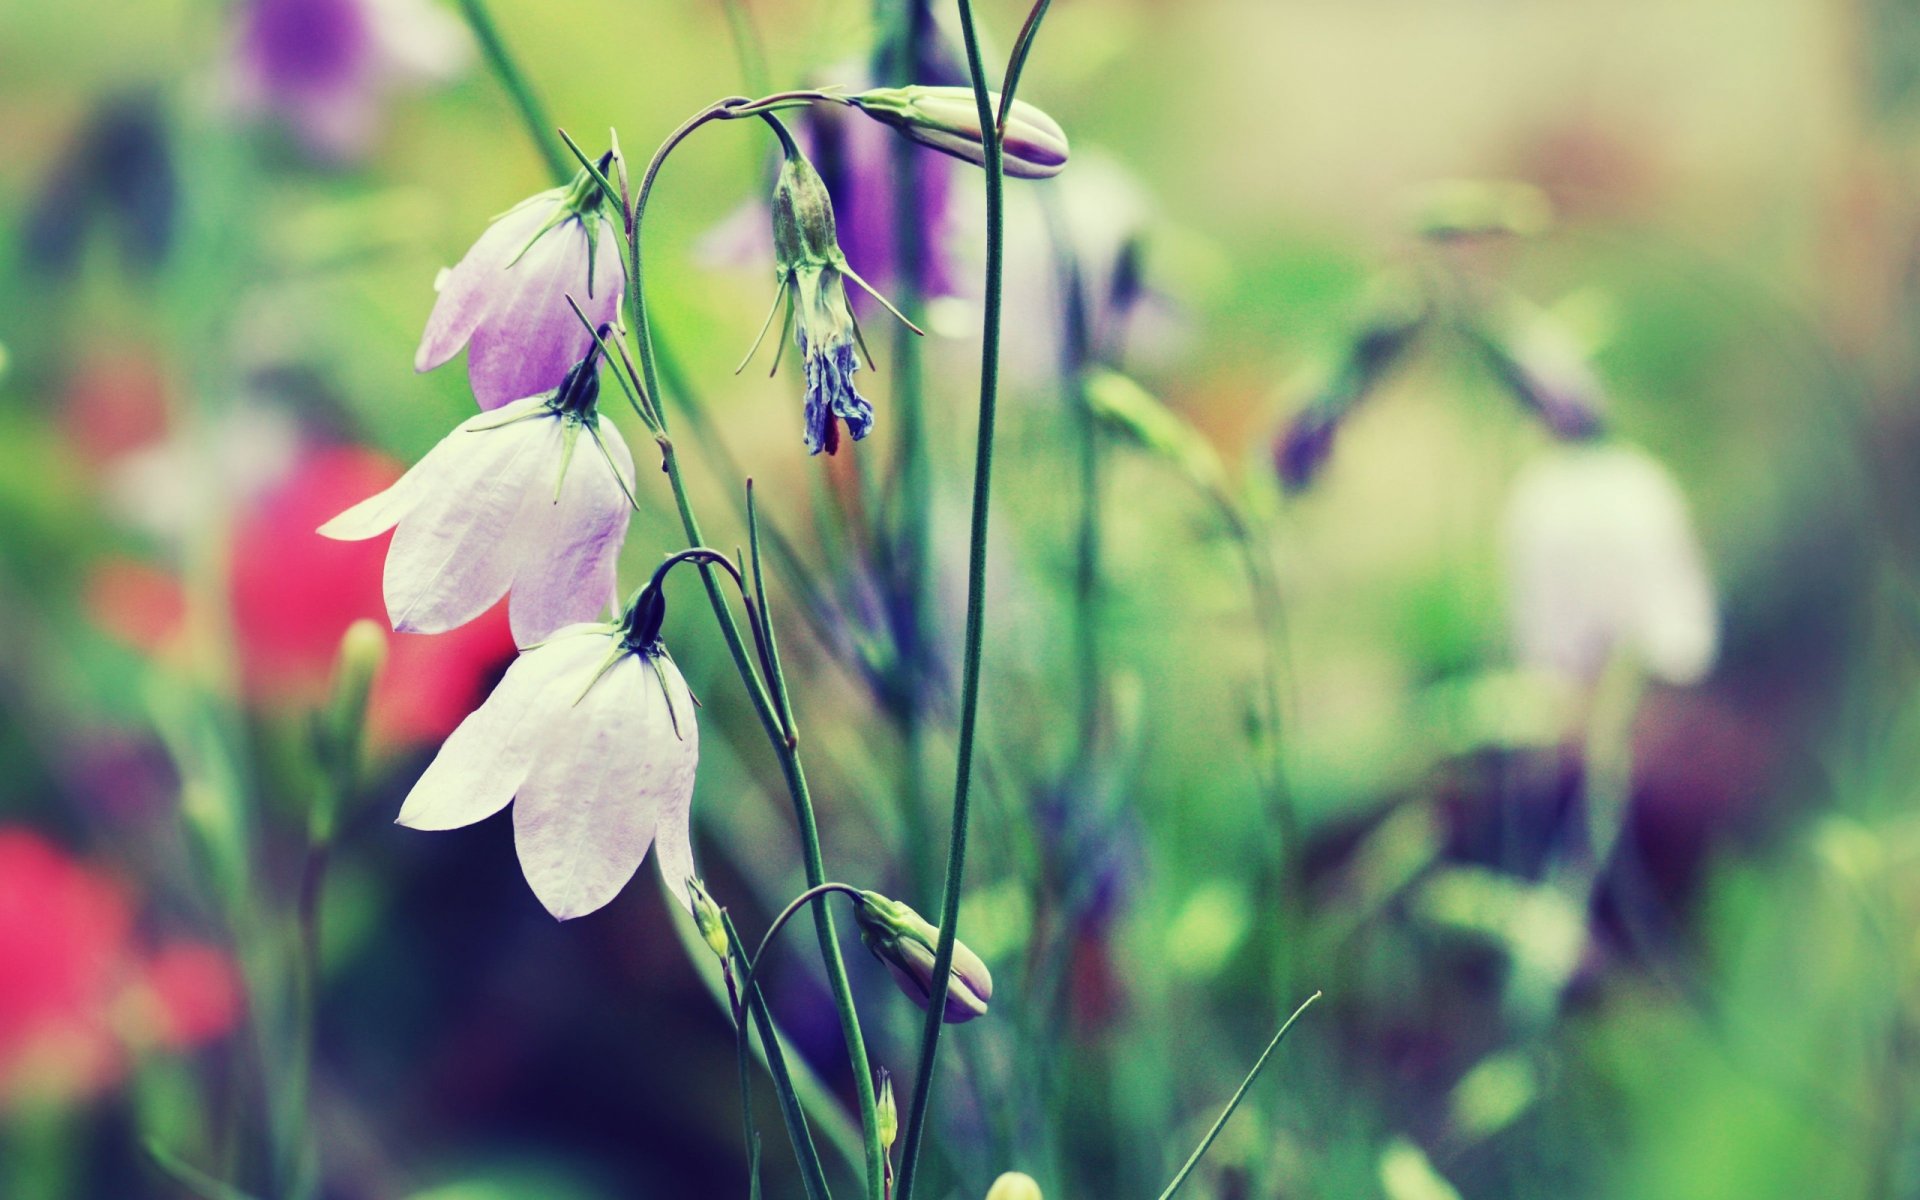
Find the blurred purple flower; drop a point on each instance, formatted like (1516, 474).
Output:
(324, 66)
(594, 741)
(1544, 367)
(506, 301)
(503, 504)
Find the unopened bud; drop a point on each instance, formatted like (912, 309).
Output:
(886, 1114)
(1545, 369)
(1033, 145)
(706, 917)
(1014, 1185)
(905, 941)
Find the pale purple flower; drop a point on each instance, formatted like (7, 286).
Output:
(906, 943)
(324, 66)
(1602, 560)
(511, 501)
(506, 301)
(594, 742)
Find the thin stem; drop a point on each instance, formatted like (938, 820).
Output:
(533, 113)
(787, 752)
(747, 45)
(786, 914)
(755, 1000)
(976, 581)
(1200, 1151)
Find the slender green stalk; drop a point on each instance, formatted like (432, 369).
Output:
(1206, 1143)
(787, 751)
(532, 111)
(749, 997)
(976, 581)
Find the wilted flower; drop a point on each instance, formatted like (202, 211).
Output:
(904, 940)
(506, 301)
(591, 735)
(811, 272)
(323, 65)
(948, 119)
(1602, 559)
(503, 504)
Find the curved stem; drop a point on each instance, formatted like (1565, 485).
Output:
(786, 914)
(976, 575)
(787, 751)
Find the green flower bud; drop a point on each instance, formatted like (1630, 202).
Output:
(706, 917)
(1014, 1185)
(948, 119)
(886, 1114)
(904, 940)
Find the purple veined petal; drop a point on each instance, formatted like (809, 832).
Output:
(528, 337)
(469, 291)
(455, 553)
(483, 762)
(586, 814)
(570, 574)
(673, 837)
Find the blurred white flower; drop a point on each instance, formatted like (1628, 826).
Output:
(1601, 557)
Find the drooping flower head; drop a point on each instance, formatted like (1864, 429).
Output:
(811, 272)
(506, 301)
(592, 737)
(505, 505)
(1395, 321)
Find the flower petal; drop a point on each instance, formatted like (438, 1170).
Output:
(570, 575)
(455, 554)
(673, 836)
(586, 814)
(529, 337)
(470, 290)
(483, 762)
(383, 510)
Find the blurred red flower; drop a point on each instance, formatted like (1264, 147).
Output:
(295, 593)
(79, 995)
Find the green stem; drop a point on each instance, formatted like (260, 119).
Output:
(787, 751)
(532, 112)
(752, 998)
(1200, 1151)
(976, 585)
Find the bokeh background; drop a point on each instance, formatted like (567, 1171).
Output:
(209, 300)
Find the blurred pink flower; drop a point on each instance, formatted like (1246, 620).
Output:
(82, 995)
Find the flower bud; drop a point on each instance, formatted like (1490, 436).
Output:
(886, 1114)
(948, 119)
(1014, 1185)
(904, 940)
(706, 917)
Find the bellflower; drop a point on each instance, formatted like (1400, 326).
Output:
(1602, 559)
(506, 301)
(811, 272)
(591, 736)
(503, 504)
(1543, 365)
